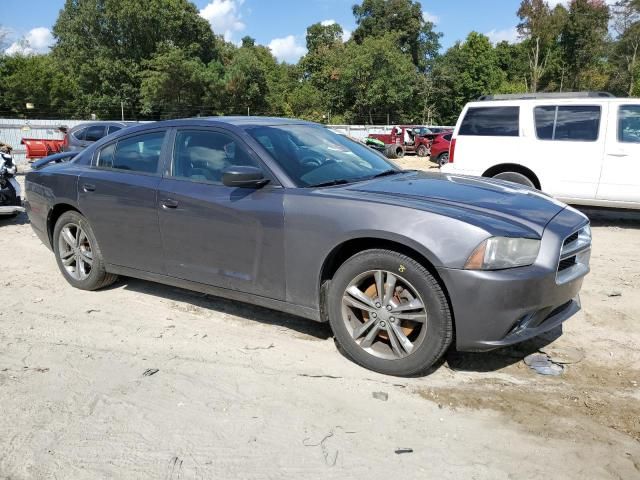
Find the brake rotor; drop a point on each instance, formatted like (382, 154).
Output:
(372, 292)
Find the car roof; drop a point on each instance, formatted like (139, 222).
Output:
(105, 123)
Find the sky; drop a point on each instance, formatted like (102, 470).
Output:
(278, 24)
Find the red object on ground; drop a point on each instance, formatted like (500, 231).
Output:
(41, 147)
(452, 150)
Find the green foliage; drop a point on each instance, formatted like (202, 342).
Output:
(415, 35)
(161, 59)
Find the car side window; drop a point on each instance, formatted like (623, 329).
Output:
(140, 153)
(629, 124)
(491, 122)
(94, 133)
(113, 128)
(578, 123)
(79, 134)
(202, 155)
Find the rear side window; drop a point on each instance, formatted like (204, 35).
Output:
(629, 124)
(140, 153)
(79, 134)
(447, 137)
(113, 128)
(491, 122)
(578, 123)
(95, 133)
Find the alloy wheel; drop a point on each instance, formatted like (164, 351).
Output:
(384, 314)
(75, 251)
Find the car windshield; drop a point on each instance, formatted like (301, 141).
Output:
(315, 156)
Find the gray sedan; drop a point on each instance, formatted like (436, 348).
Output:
(288, 215)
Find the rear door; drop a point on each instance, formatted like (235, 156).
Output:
(567, 149)
(620, 178)
(217, 235)
(118, 196)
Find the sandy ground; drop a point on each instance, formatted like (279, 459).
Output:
(244, 392)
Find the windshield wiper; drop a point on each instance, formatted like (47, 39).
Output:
(330, 183)
(386, 173)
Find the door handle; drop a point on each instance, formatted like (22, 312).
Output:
(169, 203)
(87, 187)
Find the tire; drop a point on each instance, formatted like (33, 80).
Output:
(423, 151)
(443, 159)
(85, 267)
(399, 152)
(373, 347)
(390, 152)
(515, 177)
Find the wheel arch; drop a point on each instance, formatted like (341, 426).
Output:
(348, 248)
(513, 167)
(54, 214)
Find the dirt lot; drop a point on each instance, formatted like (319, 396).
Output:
(244, 392)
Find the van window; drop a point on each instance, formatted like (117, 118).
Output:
(491, 122)
(629, 124)
(578, 123)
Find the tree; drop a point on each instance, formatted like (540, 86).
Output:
(415, 34)
(626, 24)
(173, 83)
(375, 79)
(466, 71)
(540, 28)
(246, 83)
(103, 43)
(584, 41)
(323, 37)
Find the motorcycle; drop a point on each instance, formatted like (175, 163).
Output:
(10, 192)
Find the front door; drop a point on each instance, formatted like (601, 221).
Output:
(620, 178)
(118, 197)
(217, 235)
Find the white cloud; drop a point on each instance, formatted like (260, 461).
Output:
(565, 3)
(429, 17)
(346, 34)
(328, 23)
(224, 16)
(287, 49)
(38, 40)
(509, 34)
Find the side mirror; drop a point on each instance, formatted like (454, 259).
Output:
(243, 176)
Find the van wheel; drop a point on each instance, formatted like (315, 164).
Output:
(515, 177)
(388, 313)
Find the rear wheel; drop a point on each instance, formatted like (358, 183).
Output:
(423, 151)
(388, 313)
(515, 177)
(78, 254)
(443, 159)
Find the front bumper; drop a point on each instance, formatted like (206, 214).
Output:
(498, 308)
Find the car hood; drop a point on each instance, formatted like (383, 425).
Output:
(490, 198)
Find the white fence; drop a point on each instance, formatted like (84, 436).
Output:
(13, 130)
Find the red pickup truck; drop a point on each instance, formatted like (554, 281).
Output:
(406, 139)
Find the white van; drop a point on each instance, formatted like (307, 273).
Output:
(583, 147)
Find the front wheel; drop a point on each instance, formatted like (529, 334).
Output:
(388, 313)
(78, 254)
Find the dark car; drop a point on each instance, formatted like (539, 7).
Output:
(82, 135)
(288, 215)
(55, 158)
(440, 148)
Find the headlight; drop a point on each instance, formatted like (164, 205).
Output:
(497, 253)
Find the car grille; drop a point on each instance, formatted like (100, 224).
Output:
(574, 255)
